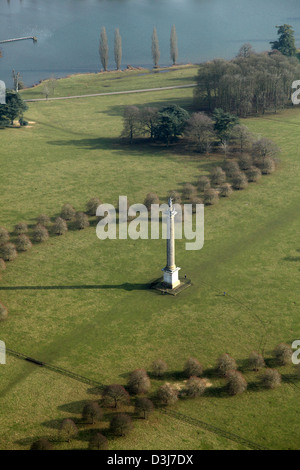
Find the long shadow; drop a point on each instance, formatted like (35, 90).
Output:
(125, 286)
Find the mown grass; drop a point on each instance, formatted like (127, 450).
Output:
(72, 153)
(105, 82)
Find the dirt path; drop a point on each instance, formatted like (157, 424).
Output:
(146, 90)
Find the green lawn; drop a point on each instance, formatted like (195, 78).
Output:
(251, 251)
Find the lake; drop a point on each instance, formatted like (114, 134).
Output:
(68, 31)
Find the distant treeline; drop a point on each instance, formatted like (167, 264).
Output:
(250, 83)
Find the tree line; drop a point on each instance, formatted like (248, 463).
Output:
(250, 83)
(155, 50)
(191, 383)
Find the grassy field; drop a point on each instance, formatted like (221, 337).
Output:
(251, 251)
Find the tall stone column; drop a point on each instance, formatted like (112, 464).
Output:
(171, 271)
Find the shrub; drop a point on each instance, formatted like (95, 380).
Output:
(193, 367)
(81, 220)
(68, 430)
(226, 190)
(231, 168)
(271, 378)
(189, 191)
(159, 368)
(283, 354)
(98, 442)
(92, 204)
(120, 424)
(225, 363)
(256, 361)
(41, 444)
(60, 226)
(92, 412)
(3, 312)
(139, 382)
(43, 219)
(218, 176)
(114, 395)
(143, 406)
(211, 197)
(23, 243)
(167, 394)
(263, 148)
(195, 387)
(2, 264)
(175, 196)
(67, 212)
(267, 166)
(8, 252)
(40, 233)
(151, 198)
(245, 161)
(4, 235)
(253, 174)
(203, 183)
(239, 181)
(21, 228)
(236, 382)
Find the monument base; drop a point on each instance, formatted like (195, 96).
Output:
(171, 277)
(161, 286)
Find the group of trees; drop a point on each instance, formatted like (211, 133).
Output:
(193, 385)
(250, 83)
(165, 124)
(155, 50)
(13, 109)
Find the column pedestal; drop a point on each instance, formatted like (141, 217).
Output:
(171, 277)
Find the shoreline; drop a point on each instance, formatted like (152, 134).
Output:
(129, 68)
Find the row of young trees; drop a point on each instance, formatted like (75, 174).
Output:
(155, 51)
(19, 241)
(139, 384)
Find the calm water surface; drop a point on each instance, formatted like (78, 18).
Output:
(68, 31)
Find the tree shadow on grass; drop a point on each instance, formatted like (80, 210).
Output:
(75, 407)
(125, 286)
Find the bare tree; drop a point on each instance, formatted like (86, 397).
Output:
(139, 382)
(271, 378)
(103, 48)
(131, 122)
(225, 190)
(242, 136)
(236, 382)
(98, 442)
(68, 430)
(210, 197)
(217, 175)
(200, 131)
(114, 395)
(155, 48)
(195, 387)
(203, 183)
(118, 48)
(92, 412)
(225, 363)
(256, 361)
(159, 368)
(149, 118)
(120, 424)
(167, 394)
(245, 51)
(173, 45)
(193, 368)
(143, 406)
(283, 354)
